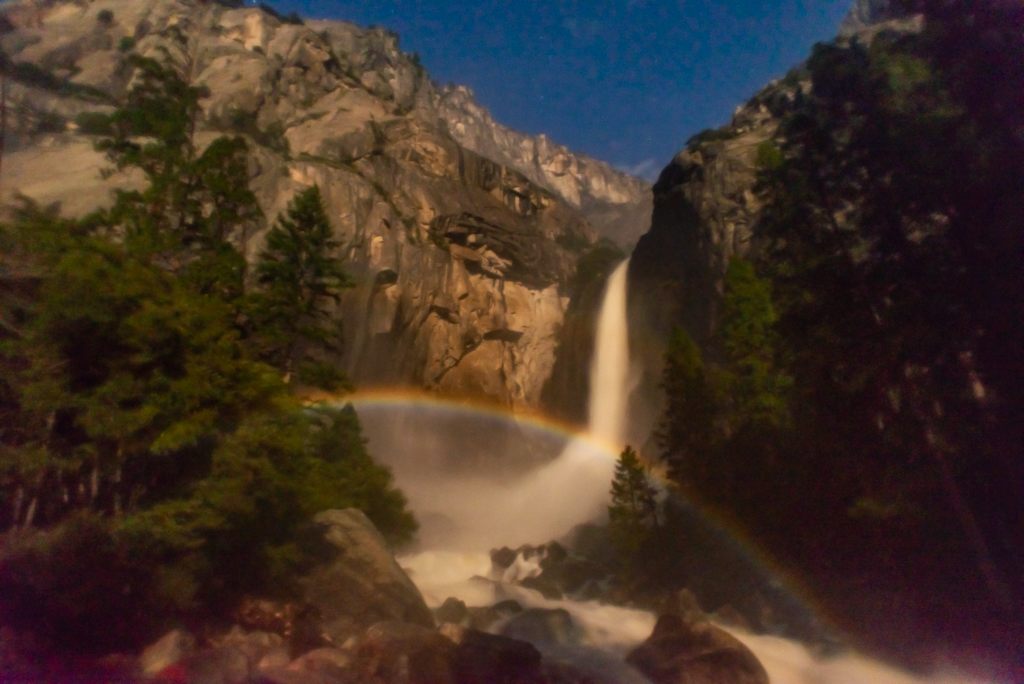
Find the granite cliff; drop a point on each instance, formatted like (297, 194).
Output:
(706, 205)
(616, 204)
(462, 250)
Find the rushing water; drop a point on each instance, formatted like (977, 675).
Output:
(609, 369)
(465, 515)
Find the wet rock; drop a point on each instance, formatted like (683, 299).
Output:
(683, 604)
(554, 554)
(402, 653)
(359, 583)
(502, 558)
(678, 652)
(328, 663)
(728, 615)
(566, 572)
(563, 673)
(452, 610)
(545, 585)
(168, 650)
(298, 624)
(255, 645)
(220, 665)
(508, 607)
(483, 618)
(279, 675)
(275, 658)
(482, 658)
(535, 625)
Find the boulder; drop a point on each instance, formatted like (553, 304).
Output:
(508, 607)
(564, 673)
(678, 652)
(330, 664)
(728, 615)
(168, 650)
(404, 653)
(684, 604)
(255, 645)
(219, 665)
(547, 586)
(502, 558)
(482, 658)
(279, 675)
(359, 583)
(545, 625)
(484, 618)
(277, 657)
(452, 610)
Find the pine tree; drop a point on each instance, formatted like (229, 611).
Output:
(143, 442)
(633, 513)
(753, 386)
(195, 202)
(686, 433)
(300, 277)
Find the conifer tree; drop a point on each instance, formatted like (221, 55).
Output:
(753, 385)
(142, 441)
(633, 513)
(686, 433)
(196, 203)
(300, 277)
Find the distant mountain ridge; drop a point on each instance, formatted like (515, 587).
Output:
(616, 204)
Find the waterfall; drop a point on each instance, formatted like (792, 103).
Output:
(468, 515)
(573, 489)
(609, 367)
(476, 511)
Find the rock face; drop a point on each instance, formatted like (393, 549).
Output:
(462, 252)
(867, 17)
(678, 652)
(706, 205)
(705, 208)
(359, 583)
(865, 13)
(616, 204)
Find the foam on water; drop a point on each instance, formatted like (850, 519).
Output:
(616, 630)
(480, 512)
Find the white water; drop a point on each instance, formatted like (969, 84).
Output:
(609, 369)
(614, 630)
(462, 511)
(483, 513)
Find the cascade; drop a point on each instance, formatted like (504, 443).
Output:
(478, 512)
(609, 369)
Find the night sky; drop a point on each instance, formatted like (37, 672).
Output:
(627, 81)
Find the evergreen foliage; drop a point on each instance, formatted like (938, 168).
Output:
(895, 241)
(754, 386)
(153, 465)
(191, 199)
(300, 277)
(869, 378)
(633, 512)
(725, 409)
(686, 432)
